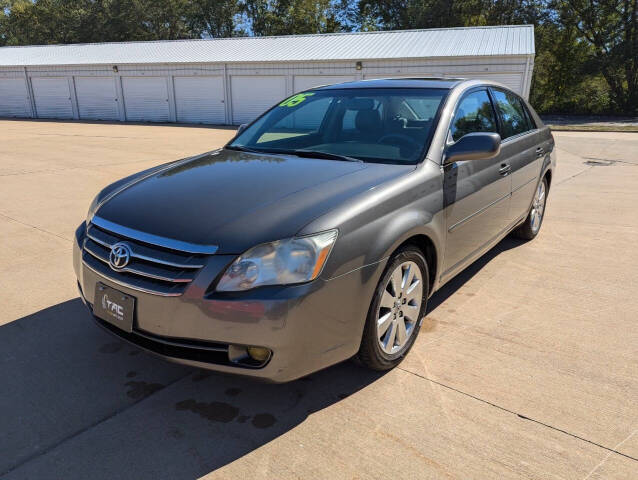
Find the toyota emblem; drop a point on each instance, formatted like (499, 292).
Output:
(120, 256)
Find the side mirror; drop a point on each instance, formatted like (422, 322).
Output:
(241, 128)
(474, 146)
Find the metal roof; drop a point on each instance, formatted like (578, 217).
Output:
(406, 82)
(405, 44)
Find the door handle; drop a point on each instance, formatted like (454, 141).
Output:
(539, 152)
(505, 169)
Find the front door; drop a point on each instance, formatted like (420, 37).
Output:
(477, 192)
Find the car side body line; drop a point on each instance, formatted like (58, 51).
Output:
(478, 212)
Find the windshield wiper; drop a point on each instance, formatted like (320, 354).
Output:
(326, 155)
(239, 148)
(300, 153)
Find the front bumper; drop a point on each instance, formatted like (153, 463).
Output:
(307, 327)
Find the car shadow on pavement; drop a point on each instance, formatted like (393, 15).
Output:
(466, 275)
(78, 403)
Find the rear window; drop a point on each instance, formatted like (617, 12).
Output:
(513, 115)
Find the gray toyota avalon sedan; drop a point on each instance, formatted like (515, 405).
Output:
(320, 231)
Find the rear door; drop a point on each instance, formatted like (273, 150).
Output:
(521, 144)
(477, 192)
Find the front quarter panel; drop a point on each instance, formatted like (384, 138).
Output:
(372, 225)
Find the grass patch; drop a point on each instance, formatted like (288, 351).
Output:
(593, 128)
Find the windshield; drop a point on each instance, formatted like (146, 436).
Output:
(388, 125)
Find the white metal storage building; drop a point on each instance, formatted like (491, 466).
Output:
(232, 80)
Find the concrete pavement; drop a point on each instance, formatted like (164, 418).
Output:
(526, 366)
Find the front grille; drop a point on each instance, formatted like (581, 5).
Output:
(151, 269)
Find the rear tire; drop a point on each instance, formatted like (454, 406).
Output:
(396, 311)
(532, 225)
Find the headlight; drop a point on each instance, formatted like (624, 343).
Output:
(294, 260)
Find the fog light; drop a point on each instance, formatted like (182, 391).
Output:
(259, 354)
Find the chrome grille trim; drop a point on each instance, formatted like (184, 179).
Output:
(158, 270)
(154, 239)
(137, 271)
(130, 285)
(142, 252)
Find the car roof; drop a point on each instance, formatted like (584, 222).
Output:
(416, 82)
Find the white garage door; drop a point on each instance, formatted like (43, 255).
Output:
(14, 101)
(200, 99)
(52, 97)
(97, 99)
(305, 82)
(145, 99)
(253, 95)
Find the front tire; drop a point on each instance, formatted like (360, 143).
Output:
(396, 311)
(532, 225)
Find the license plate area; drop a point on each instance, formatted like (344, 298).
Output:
(113, 306)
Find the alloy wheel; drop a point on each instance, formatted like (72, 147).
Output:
(538, 207)
(399, 307)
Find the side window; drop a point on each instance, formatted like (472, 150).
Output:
(512, 113)
(473, 114)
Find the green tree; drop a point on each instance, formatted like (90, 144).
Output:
(408, 14)
(44, 21)
(215, 18)
(610, 27)
(4, 19)
(167, 19)
(119, 21)
(75, 21)
(285, 17)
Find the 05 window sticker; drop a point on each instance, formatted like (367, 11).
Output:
(295, 99)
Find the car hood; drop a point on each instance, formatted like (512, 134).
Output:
(235, 200)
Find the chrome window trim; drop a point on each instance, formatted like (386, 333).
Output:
(518, 136)
(154, 239)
